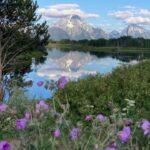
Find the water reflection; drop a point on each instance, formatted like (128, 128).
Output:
(124, 56)
(75, 65)
(69, 64)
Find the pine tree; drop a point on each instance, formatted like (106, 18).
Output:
(20, 32)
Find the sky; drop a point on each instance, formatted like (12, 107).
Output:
(107, 14)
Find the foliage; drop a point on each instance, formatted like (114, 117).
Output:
(20, 32)
(101, 94)
(92, 134)
(20, 36)
(125, 41)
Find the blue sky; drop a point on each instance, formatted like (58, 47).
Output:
(107, 14)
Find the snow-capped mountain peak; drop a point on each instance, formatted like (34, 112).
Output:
(69, 24)
(78, 29)
(73, 27)
(136, 31)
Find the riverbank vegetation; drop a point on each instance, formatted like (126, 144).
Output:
(102, 94)
(121, 44)
(95, 113)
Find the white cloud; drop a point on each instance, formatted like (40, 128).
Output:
(138, 20)
(55, 75)
(145, 12)
(63, 10)
(133, 15)
(121, 14)
(129, 7)
(64, 6)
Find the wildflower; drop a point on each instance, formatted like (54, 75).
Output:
(101, 117)
(145, 125)
(4, 145)
(40, 83)
(88, 117)
(62, 82)
(3, 107)
(128, 122)
(28, 116)
(112, 146)
(42, 105)
(74, 134)
(56, 133)
(125, 134)
(21, 124)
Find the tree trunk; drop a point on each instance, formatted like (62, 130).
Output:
(1, 85)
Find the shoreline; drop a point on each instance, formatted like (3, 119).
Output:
(86, 48)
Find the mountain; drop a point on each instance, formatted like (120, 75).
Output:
(114, 34)
(74, 28)
(136, 31)
(57, 34)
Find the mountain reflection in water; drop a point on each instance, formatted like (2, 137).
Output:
(74, 65)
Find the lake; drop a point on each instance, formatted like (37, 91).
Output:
(75, 65)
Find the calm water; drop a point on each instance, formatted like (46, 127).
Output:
(75, 65)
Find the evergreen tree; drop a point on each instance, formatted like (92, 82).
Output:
(20, 33)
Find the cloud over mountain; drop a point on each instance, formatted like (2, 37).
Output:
(132, 15)
(107, 18)
(145, 12)
(138, 20)
(121, 14)
(64, 10)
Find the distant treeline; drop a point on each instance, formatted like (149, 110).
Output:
(125, 41)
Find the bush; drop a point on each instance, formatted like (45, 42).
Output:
(103, 94)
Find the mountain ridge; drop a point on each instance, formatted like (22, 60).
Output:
(75, 28)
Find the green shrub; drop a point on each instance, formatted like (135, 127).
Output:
(103, 94)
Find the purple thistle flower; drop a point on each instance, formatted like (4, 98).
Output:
(42, 102)
(46, 107)
(101, 117)
(88, 117)
(62, 82)
(74, 134)
(56, 133)
(21, 124)
(145, 125)
(4, 145)
(125, 134)
(27, 116)
(3, 107)
(40, 83)
(112, 146)
(38, 108)
(41, 105)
